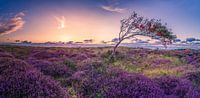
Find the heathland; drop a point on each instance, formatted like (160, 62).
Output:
(89, 72)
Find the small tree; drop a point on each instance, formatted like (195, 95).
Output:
(137, 25)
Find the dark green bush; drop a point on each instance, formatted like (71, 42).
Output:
(70, 64)
(109, 58)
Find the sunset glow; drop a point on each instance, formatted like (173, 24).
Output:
(66, 20)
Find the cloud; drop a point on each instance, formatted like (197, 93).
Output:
(61, 21)
(115, 40)
(88, 40)
(114, 9)
(11, 25)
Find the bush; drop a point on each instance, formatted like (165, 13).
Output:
(108, 58)
(52, 69)
(193, 60)
(18, 79)
(45, 55)
(70, 64)
(161, 61)
(132, 85)
(174, 86)
(194, 77)
(193, 93)
(5, 54)
(92, 81)
(86, 80)
(79, 56)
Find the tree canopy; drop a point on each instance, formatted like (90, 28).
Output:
(138, 25)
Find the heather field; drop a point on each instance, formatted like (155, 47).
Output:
(89, 73)
(99, 49)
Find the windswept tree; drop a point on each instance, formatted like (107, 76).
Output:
(137, 25)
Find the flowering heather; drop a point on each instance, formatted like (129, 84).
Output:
(52, 69)
(112, 83)
(194, 77)
(18, 79)
(161, 61)
(86, 80)
(44, 54)
(189, 56)
(133, 85)
(79, 57)
(193, 92)
(138, 52)
(88, 73)
(5, 54)
(196, 62)
(174, 86)
(193, 60)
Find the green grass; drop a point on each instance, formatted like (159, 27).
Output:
(161, 72)
(144, 65)
(127, 66)
(175, 61)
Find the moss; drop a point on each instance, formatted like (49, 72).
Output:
(72, 92)
(175, 61)
(127, 66)
(161, 72)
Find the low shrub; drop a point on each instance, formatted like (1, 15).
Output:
(70, 64)
(80, 56)
(194, 77)
(18, 79)
(107, 56)
(92, 81)
(5, 54)
(174, 86)
(44, 54)
(132, 85)
(53, 69)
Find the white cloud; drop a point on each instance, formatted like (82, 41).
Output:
(114, 9)
(61, 22)
(11, 25)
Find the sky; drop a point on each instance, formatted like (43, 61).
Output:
(78, 20)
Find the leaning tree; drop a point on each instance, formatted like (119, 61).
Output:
(137, 25)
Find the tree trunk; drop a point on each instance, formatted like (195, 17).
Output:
(115, 48)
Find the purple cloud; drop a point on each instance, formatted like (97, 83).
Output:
(12, 25)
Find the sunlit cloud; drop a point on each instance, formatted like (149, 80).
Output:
(11, 25)
(61, 22)
(113, 9)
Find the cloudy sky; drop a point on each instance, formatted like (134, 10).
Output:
(77, 20)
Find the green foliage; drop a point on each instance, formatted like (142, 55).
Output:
(70, 64)
(175, 61)
(127, 66)
(158, 72)
(99, 67)
(108, 57)
(72, 92)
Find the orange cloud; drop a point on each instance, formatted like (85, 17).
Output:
(12, 25)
